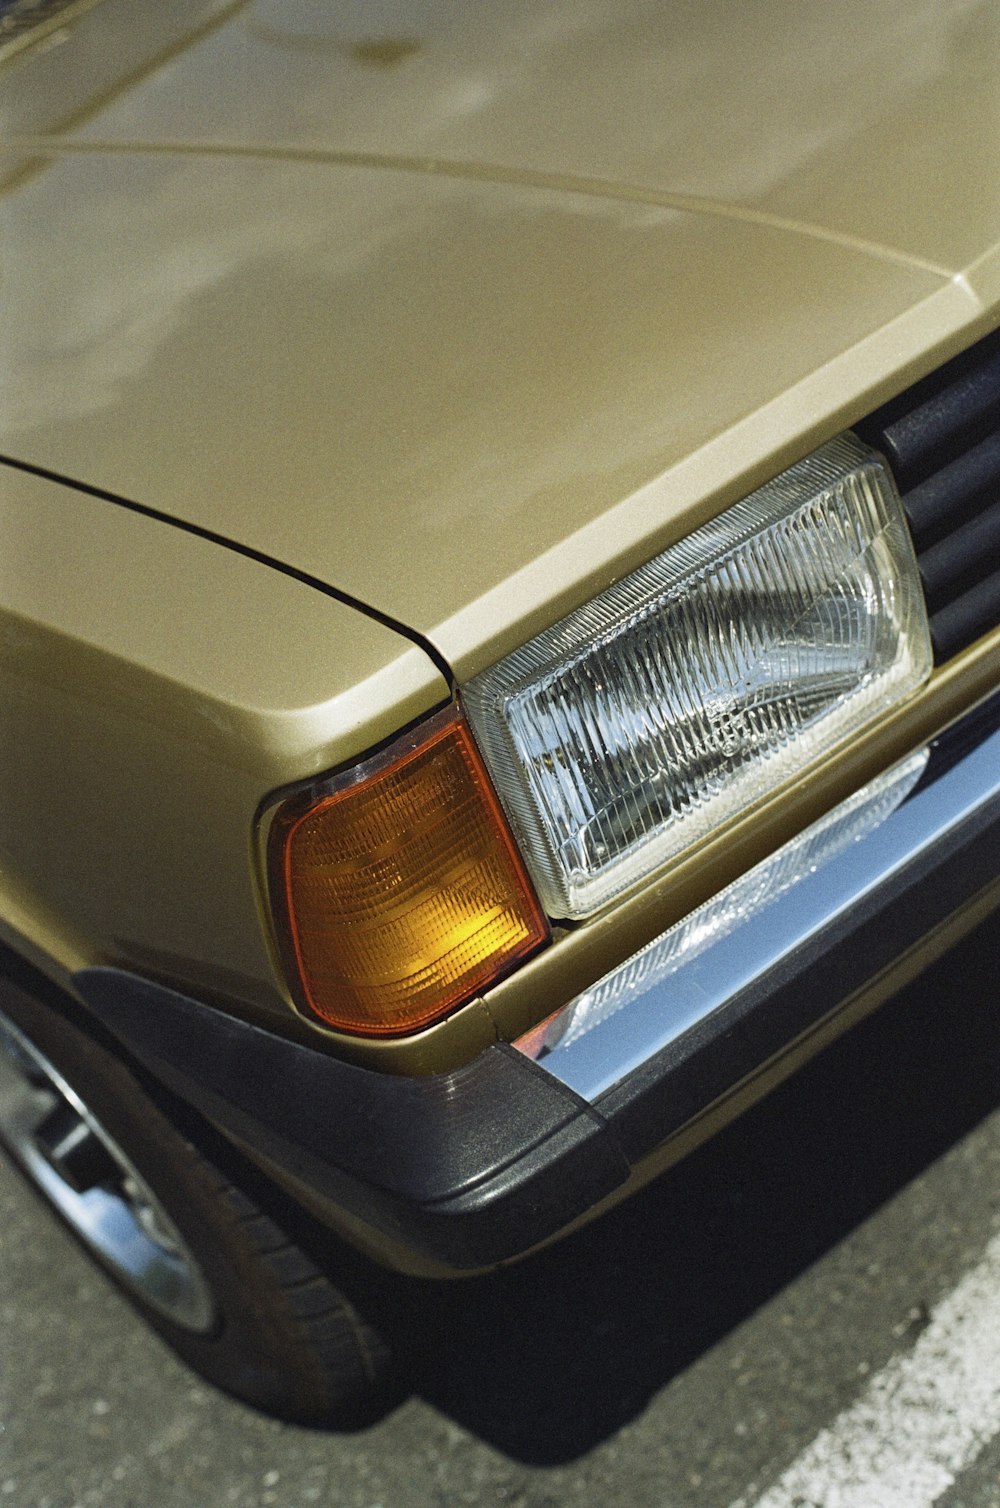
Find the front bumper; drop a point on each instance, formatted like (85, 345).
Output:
(467, 1169)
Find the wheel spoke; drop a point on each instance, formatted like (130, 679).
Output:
(70, 1146)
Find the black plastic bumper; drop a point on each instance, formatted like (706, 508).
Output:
(468, 1167)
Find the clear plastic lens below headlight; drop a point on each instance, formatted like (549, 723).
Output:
(699, 683)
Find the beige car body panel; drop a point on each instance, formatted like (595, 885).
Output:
(464, 313)
(147, 709)
(299, 305)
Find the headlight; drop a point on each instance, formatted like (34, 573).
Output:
(702, 681)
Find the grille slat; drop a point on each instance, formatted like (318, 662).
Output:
(961, 560)
(961, 622)
(943, 415)
(952, 496)
(942, 441)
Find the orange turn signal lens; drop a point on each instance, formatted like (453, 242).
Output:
(398, 888)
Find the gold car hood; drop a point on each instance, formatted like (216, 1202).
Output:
(465, 311)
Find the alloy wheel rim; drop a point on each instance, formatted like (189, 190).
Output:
(69, 1155)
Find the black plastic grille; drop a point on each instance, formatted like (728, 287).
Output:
(942, 440)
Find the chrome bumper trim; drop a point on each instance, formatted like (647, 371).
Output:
(872, 856)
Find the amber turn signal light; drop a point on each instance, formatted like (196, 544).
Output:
(397, 887)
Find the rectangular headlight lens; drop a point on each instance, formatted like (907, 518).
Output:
(699, 683)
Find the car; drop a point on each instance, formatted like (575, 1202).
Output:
(499, 613)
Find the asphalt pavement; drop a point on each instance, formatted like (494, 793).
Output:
(813, 1297)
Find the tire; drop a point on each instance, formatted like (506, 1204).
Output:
(200, 1259)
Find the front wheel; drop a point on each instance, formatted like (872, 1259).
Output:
(210, 1270)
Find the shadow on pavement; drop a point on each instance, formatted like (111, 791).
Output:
(549, 1358)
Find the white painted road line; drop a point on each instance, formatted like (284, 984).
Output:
(921, 1420)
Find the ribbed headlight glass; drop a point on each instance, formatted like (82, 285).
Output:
(702, 681)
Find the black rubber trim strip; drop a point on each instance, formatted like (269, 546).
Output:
(260, 556)
(470, 1167)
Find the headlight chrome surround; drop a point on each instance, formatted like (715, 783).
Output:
(702, 681)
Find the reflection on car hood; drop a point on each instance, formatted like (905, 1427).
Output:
(465, 311)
